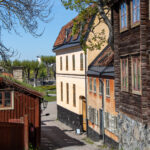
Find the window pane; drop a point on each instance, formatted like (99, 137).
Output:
(90, 84)
(7, 98)
(94, 85)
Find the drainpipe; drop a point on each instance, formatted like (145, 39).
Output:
(86, 91)
(103, 108)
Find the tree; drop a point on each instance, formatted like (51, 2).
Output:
(27, 68)
(87, 9)
(35, 66)
(17, 63)
(27, 13)
(48, 61)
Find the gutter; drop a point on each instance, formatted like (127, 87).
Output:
(86, 92)
(103, 108)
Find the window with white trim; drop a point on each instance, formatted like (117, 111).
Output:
(100, 87)
(6, 100)
(107, 88)
(94, 85)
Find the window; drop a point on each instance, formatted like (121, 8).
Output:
(123, 16)
(81, 61)
(74, 95)
(106, 120)
(90, 84)
(60, 63)
(94, 85)
(135, 11)
(66, 62)
(107, 88)
(136, 74)
(124, 74)
(6, 99)
(73, 62)
(67, 92)
(61, 91)
(100, 88)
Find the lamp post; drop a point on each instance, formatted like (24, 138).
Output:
(44, 104)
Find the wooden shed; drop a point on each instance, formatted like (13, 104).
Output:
(18, 101)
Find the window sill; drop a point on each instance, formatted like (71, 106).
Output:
(136, 92)
(124, 90)
(133, 25)
(6, 108)
(123, 29)
(107, 96)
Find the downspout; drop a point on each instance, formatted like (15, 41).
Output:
(86, 91)
(103, 108)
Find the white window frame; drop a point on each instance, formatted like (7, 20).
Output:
(94, 85)
(107, 87)
(12, 103)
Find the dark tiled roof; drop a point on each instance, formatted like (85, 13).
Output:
(103, 64)
(65, 38)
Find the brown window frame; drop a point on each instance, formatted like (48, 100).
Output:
(90, 84)
(61, 63)
(124, 74)
(137, 23)
(74, 95)
(136, 76)
(67, 63)
(124, 28)
(73, 62)
(81, 61)
(61, 90)
(67, 92)
(11, 106)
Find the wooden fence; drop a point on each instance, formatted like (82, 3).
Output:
(11, 136)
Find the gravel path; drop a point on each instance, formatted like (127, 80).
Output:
(57, 136)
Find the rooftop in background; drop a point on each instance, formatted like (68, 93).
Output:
(65, 38)
(19, 85)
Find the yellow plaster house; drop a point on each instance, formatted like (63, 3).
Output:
(71, 67)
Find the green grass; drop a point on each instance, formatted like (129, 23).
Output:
(48, 89)
(88, 140)
(50, 98)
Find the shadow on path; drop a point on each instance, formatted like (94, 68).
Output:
(52, 138)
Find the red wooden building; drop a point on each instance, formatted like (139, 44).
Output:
(18, 101)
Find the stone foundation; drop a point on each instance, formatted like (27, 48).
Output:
(133, 135)
(93, 134)
(69, 118)
(111, 143)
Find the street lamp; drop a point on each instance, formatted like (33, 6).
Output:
(44, 104)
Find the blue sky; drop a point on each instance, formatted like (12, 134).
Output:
(29, 47)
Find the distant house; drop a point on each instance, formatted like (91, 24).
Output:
(102, 115)
(71, 66)
(16, 102)
(131, 23)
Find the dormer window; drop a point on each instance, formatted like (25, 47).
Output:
(135, 11)
(123, 16)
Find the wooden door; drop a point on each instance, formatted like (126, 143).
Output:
(84, 114)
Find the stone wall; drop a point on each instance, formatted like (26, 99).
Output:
(133, 135)
(69, 118)
(92, 134)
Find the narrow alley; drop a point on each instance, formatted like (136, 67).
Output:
(56, 135)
